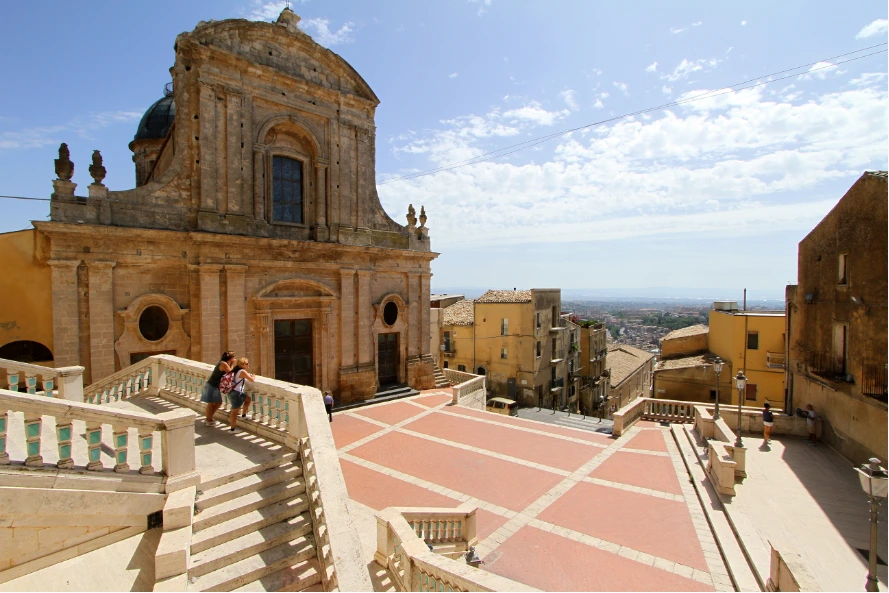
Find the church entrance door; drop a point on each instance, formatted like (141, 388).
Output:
(293, 351)
(387, 358)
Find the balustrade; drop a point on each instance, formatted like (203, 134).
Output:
(131, 381)
(63, 383)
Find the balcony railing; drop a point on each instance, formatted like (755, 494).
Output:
(829, 366)
(775, 360)
(873, 380)
(557, 384)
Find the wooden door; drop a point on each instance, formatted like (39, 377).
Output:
(293, 351)
(387, 358)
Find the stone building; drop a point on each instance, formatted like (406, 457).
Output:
(836, 322)
(520, 340)
(593, 356)
(629, 374)
(255, 226)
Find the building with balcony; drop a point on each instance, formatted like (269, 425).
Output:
(836, 322)
(629, 372)
(520, 340)
(593, 356)
(255, 226)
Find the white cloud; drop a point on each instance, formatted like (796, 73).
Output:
(652, 68)
(677, 31)
(570, 99)
(452, 75)
(534, 113)
(597, 72)
(666, 90)
(878, 27)
(819, 71)
(484, 5)
(604, 95)
(697, 24)
(743, 23)
(687, 67)
(266, 11)
(742, 156)
(80, 126)
(868, 79)
(320, 31)
(598, 104)
(622, 86)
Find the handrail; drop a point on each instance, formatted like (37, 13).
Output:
(123, 384)
(66, 381)
(415, 568)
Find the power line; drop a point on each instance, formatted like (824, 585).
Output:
(488, 156)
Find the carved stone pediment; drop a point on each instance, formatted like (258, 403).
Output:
(294, 291)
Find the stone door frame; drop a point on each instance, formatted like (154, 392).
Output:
(400, 327)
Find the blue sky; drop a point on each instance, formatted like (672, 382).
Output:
(713, 193)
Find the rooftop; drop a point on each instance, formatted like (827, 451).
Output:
(686, 332)
(438, 297)
(752, 313)
(506, 296)
(685, 362)
(460, 313)
(624, 360)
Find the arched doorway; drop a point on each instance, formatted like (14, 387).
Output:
(481, 371)
(26, 351)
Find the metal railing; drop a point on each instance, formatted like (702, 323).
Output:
(873, 380)
(776, 360)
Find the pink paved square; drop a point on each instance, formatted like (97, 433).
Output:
(639, 469)
(379, 491)
(648, 440)
(487, 523)
(348, 429)
(645, 523)
(584, 435)
(430, 401)
(553, 563)
(390, 413)
(551, 451)
(503, 483)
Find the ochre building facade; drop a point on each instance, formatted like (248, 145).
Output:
(255, 226)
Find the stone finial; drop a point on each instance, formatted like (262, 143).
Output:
(422, 217)
(411, 215)
(289, 19)
(97, 171)
(64, 166)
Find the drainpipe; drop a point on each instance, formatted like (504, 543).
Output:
(474, 330)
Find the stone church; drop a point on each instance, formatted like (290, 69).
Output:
(255, 226)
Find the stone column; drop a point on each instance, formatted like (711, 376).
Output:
(321, 232)
(235, 309)
(425, 280)
(364, 334)
(259, 183)
(65, 321)
(210, 313)
(414, 303)
(207, 149)
(265, 365)
(348, 335)
(234, 142)
(101, 308)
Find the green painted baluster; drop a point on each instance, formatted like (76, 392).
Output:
(64, 435)
(146, 440)
(4, 456)
(33, 432)
(94, 446)
(120, 438)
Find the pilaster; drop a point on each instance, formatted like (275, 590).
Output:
(101, 321)
(364, 335)
(65, 321)
(235, 313)
(414, 305)
(210, 313)
(348, 334)
(423, 305)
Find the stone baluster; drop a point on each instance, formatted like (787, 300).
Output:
(64, 434)
(146, 442)
(33, 433)
(48, 384)
(94, 446)
(121, 444)
(31, 383)
(12, 379)
(4, 456)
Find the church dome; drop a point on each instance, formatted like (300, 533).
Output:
(157, 120)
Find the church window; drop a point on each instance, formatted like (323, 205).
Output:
(287, 189)
(154, 323)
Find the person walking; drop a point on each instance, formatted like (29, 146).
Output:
(768, 420)
(328, 405)
(811, 416)
(210, 394)
(236, 397)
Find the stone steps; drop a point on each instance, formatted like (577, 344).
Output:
(255, 469)
(249, 502)
(248, 522)
(246, 484)
(305, 576)
(257, 566)
(440, 379)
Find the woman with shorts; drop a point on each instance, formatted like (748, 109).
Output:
(236, 397)
(210, 395)
(768, 420)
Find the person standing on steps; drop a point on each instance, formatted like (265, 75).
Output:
(768, 420)
(328, 405)
(210, 394)
(810, 423)
(236, 397)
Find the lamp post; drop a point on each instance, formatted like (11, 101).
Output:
(741, 384)
(873, 480)
(717, 368)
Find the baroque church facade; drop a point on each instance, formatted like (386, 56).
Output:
(255, 226)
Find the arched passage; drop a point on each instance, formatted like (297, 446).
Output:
(26, 351)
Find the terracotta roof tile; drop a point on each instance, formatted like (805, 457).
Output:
(623, 361)
(460, 313)
(506, 296)
(686, 332)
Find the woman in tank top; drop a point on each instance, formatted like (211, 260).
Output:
(210, 394)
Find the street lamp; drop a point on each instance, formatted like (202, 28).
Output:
(717, 368)
(874, 483)
(741, 384)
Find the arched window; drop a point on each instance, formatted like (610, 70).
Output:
(287, 190)
(481, 371)
(26, 351)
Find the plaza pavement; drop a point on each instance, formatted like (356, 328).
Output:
(559, 508)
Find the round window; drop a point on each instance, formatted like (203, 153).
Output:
(390, 313)
(153, 323)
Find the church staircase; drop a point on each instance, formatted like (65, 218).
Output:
(440, 379)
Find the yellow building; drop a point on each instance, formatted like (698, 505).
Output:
(26, 331)
(753, 342)
(520, 341)
(593, 355)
